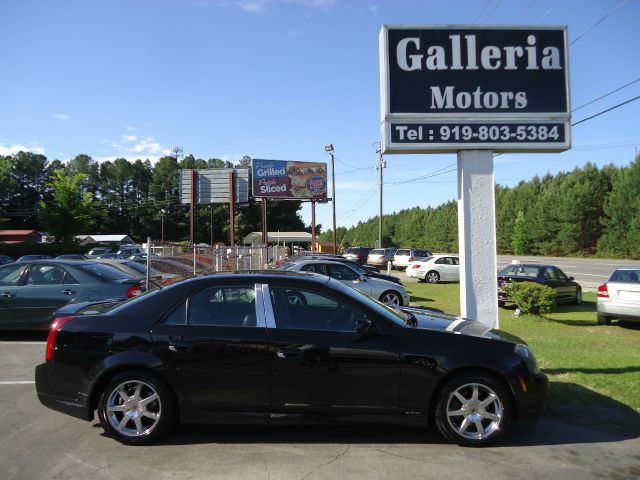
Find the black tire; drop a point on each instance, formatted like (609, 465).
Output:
(390, 296)
(432, 277)
(578, 298)
(603, 320)
(501, 303)
(112, 408)
(499, 409)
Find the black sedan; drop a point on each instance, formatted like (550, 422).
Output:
(237, 348)
(567, 291)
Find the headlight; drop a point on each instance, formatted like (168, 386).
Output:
(529, 358)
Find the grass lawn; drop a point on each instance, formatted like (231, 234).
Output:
(595, 366)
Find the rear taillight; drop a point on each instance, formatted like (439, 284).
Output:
(603, 291)
(55, 327)
(134, 291)
(417, 265)
(411, 259)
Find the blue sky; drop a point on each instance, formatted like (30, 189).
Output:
(279, 79)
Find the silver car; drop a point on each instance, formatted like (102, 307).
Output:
(387, 292)
(380, 256)
(619, 296)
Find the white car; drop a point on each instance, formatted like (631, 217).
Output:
(403, 256)
(619, 296)
(439, 268)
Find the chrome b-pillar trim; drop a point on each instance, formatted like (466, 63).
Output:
(268, 307)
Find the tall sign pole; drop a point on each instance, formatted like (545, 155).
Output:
(474, 91)
(193, 206)
(232, 240)
(313, 225)
(265, 231)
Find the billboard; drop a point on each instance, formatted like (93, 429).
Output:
(450, 88)
(293, 180)
(212, 185)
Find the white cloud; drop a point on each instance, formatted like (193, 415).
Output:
(253, 6)
(61, 116)
(20, 148)
(131, 129)
(130, 138)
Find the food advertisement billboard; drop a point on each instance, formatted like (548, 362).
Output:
(293, 180)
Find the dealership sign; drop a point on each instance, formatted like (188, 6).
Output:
(445, 89)
(294, 180)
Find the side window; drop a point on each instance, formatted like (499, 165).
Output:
(178, 316)
(440, 261)
(550, 274)
(45, 275)
(314, 268)
(456, 260)
(224, 306)
(560, 274)
(303, 309)
(10, 275)
(342, 272)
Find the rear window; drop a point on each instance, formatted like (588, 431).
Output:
(402, 252)
(626, 276)
(352, 251)
(104, 272)
(377, 251)
(521, 270)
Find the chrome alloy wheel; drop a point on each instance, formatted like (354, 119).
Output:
(391, 298)
(133, 408)
(432, 277)
(474, 411)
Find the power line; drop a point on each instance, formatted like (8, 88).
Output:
(605, 111)
(611, 12)
(606, 94)
(482, 11)
(493, 11)
(531, 4)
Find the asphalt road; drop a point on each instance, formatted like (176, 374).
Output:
(572, 442)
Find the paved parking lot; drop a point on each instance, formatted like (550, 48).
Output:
(38, 443)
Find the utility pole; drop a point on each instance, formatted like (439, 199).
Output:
(329, 149)
(381, 165)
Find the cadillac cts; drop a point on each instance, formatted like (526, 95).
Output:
(278, 346)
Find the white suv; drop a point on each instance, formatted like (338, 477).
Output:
(403, 256)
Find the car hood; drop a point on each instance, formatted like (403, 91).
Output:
(432, 320)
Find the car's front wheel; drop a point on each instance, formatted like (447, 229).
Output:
(136, 407)
(473, 410)
(391, 298)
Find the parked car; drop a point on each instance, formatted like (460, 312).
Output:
(566, 289)
(110, 256)
(94, 252)
(357, 254)
(4, 259)
(619, 296)
(387, 292)
(127, 251)
(72, 256)
(29, 258)
(366, 270)
(403, 256)
(132, 268)
(275, 347)
(31, 291)
(439, 268)
(380, 256)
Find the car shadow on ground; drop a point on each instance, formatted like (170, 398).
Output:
(576, 415)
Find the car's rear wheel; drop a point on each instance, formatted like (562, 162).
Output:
(391, 298)
(136, 407)
(473, 410)
(603, 320)
(432, 277)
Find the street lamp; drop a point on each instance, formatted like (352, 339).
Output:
(162, 212)
(329, 149)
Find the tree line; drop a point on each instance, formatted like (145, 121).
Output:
(588, 211)
(83, 196)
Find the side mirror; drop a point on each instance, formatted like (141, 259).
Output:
(363, 329)
(362, 278)
(570, 278)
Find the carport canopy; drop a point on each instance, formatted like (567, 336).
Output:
(277, 237)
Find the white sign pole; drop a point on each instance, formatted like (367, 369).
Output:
(477, 237)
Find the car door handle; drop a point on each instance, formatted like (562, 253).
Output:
(7, 294)
(68, 292)
(287, 352)
(180, 346)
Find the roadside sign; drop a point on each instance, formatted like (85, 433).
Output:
(452, 88)
(212, 185)
(292, 180)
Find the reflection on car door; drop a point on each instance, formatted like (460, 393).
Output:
(46, 288)
(217, 349)
(348, 277)
(566, 290)
(316, 366)
(10, 276)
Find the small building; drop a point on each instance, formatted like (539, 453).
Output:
(20, 236)
(115, 240)
(279, 238)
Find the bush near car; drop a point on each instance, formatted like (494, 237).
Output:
(532, 297)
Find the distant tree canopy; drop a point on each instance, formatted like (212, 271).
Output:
(589, 211)
(82, 196)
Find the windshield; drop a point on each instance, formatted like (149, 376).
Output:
(104, 272)
(396, 316)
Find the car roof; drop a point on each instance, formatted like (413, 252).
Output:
(262, 275)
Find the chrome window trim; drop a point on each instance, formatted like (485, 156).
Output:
(268, 307)
(261, 320)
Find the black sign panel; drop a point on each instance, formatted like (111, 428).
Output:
(490, 76)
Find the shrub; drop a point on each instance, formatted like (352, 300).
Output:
(531, 297)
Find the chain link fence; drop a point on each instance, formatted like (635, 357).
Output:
(174, 261)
